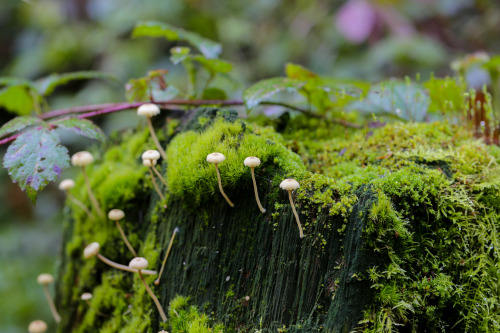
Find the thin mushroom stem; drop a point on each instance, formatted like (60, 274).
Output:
(125, 239)
(52, 307)
(295, 213)
(220, 186)
(157, 281)
(123, 267)
(262, 209)
(91, 195)
(155, 139)
(156, 185)
(150, 292)
(159, 176)
(79, 204)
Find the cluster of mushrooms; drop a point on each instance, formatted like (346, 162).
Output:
(139, 264)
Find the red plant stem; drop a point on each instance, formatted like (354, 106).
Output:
(100, 109)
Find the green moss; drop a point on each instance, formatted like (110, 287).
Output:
(425, 199)
(185, 318)
(190, 177)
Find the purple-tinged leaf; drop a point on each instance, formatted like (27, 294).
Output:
(18, 124)
(34, 159)
(81, 127)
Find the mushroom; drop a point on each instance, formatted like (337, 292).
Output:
(139, 264)
(116, 215)
(45, 280)
(149, 110)
(92, 250)
(253, 162)
(37, 326)
(176, 230)
(290, 185)
(86, 297)
(153, 156)
(82, 159)
(151, 165)
(217, 158)
(68, 184)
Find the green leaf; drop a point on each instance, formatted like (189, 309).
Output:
(47, 85)
(137, 90)
(214, 66)
(18, 124)
(81, 127)
(209, 48)
(294, 71)
(34, 159)
(264, 89)
(179, 54)
(17, 99)
(214, 94)
(15, 81)
(404, 100)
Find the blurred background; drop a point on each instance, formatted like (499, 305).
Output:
(365, 39)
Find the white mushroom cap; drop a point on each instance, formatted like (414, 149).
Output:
(82, 158)
(289, 184)
(153, 155)
(91, 250)
(215, 158)
(116, 214)
(45, 279)
(162, 331)
(252, 161)
(138, 263)
(148, 110)
(86, 296)
(37, 326)
(66, 184)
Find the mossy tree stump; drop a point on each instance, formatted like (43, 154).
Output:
(380, 247)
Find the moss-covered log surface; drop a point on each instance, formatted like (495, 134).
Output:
(400, 227)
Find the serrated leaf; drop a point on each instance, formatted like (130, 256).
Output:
(179, 54)
(34, 159)
(403, 100)
(209, 48)
(81, 127)
(264, 89)
(214, 66)
(17, 99)
(18, 124)
(136, 90)
(47, 85)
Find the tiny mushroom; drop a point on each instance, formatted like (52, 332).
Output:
(150, 163)
(82, 159)
(86, 297)
(116, 215)
(290, 185)
(66, 185)
(37, 326)
(139, 264)
(149, 110)
(176, 230)
(92, 250)
(153, 156)
(217, 158)
(44, 280)
(253, 162)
